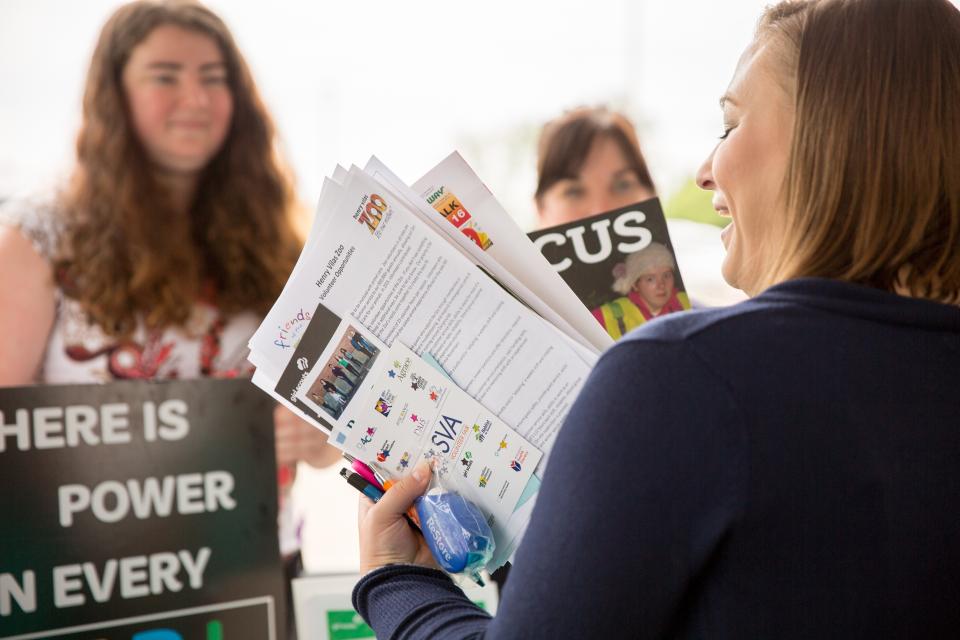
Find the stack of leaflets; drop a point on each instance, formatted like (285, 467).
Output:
(421, 323)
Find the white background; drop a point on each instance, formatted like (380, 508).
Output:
(410, 81)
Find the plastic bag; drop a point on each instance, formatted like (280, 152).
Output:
(455, 530)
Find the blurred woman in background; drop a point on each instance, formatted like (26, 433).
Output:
(174, 234)
(588, 162)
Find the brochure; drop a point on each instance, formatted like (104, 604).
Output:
(512, 251)
(377, 262)
(409, 330)
(408, 412)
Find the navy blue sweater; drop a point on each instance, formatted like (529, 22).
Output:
(785, 468)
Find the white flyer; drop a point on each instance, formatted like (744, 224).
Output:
(408, 411)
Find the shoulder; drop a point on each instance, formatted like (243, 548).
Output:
(27, 243)
(692, 356)
(21, 259)
(36, 219)
(703, 328)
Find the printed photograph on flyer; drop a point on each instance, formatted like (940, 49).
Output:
(341, 369)
(621, 264)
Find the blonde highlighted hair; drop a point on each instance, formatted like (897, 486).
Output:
(872, 189)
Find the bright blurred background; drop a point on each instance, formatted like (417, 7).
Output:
(411, 82)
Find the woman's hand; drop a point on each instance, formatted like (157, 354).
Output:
(297, 440)
(385, 535)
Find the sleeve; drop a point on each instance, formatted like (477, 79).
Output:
(35, 218)
(644, 481)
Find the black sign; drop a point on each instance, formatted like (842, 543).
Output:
(139, 510)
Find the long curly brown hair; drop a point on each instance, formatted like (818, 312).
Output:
(126, 253)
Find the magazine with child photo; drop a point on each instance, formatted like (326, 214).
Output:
(620, 264)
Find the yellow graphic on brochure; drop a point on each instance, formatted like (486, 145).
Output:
(450, 207)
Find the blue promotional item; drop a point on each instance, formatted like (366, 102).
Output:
(455, 530)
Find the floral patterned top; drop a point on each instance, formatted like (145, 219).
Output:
(78, 351)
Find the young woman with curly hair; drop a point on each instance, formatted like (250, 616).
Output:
(174, 234)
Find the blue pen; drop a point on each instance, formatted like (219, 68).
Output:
(359, 483)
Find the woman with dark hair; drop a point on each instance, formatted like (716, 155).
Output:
(588, 162)
(174, 234)
(786, 467)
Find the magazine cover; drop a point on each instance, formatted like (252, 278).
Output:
(620, 264)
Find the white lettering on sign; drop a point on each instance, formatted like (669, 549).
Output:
(112, 501)
(135, 576)
(25, 594)
(173, 420)
(73, 425)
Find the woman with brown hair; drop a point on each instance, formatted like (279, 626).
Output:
(174, 234)
(786, 467)
(588, 162)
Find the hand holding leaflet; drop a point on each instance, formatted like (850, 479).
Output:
(405, 412)
(378, 278)
(387, 535)
(453, 528)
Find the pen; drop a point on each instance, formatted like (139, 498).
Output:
(366, 472)
(374, 492)
(361, 484)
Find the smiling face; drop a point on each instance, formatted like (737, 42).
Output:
(747, 168)
(605, 182)
(180, 104)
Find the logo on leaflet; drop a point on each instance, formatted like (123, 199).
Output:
(385, 403)
(480, 432)
(467, 462)
(371, 212)
(451, 207)
(485, 477)
(417, 382)
(519, 459)
(385, 450)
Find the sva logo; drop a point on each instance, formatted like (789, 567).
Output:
(627, 225)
